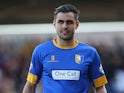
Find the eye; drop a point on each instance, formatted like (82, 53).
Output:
(60, 21)
(69, 22)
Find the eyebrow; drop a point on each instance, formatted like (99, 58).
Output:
(66, 21)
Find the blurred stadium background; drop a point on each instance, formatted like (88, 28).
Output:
(26, 23)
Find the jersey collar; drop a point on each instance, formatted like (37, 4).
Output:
(65, 47)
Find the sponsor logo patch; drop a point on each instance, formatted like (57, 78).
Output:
(65, 74)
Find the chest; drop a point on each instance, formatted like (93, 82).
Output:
(66, 60)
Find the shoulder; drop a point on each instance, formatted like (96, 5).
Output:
(44, 46)
(86, 47)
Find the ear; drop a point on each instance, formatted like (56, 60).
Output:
(77, 24)
(54, 22)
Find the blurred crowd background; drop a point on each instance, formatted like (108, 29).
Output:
(16, 50)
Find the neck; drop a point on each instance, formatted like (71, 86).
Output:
(62, 42)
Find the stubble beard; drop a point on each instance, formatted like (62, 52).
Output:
(70, 37)
(66, 38)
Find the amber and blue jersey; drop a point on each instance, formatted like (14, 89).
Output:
(65, 69)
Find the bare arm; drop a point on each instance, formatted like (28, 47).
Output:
(29, 88)
(101, 89)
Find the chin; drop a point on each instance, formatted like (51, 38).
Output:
(66, 38)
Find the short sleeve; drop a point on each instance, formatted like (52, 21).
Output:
(35, 69)
(96, 72)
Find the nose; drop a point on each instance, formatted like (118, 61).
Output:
(65, 25)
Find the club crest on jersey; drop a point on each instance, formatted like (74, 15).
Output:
(78, 58)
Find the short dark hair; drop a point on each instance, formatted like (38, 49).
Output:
(67, 8)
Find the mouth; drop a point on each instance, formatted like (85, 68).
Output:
(66, 35)
(65, 32)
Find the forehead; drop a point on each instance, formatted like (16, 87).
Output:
(65, 16)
